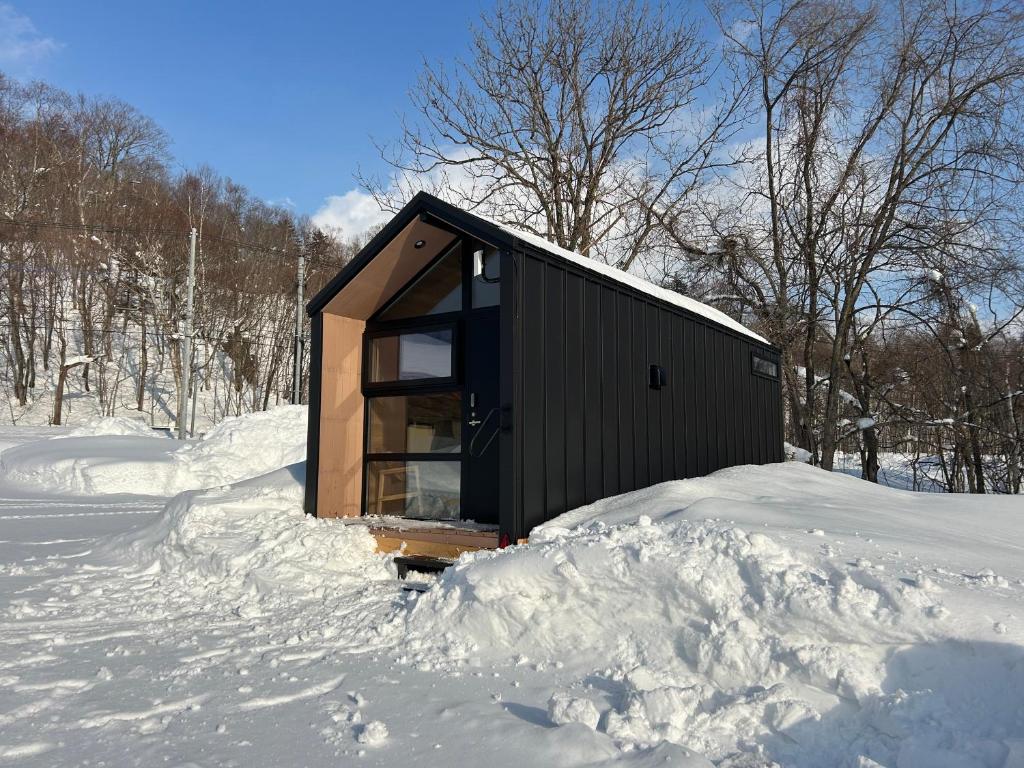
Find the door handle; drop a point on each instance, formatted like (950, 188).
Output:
(474, 422)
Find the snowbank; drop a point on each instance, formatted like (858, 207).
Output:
(124, 426)
(247, 446)
(710, 636)
(123, 459)
(738, 614)
(800, 502)
(253, 538)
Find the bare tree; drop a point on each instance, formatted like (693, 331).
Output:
(868, 114)
(585, 123)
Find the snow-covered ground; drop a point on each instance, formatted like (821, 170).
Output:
(762, 616)
(139, 459)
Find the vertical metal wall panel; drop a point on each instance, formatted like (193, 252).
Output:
(593, 427)
(731, 397)
(700, 406)
(316, 358)
(678, 383)
(736, 447)
(690, 410)
(627, 395)
(775, 411)
(574, 396)
(593, 396)
(713, 378)
(760, 409)
(641, 401)
(653, 397)
(668, 469)
(533, 345)
(721, 365)
(722, 370)
(554, 389)
(725, 404)
(610, 396)
(751, 417)
(664, 354)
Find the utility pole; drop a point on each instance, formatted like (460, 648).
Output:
(186, 340)
(297, 375)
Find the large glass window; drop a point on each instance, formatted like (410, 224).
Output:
(410, 356)
(438, 290)
(425, 489)
(416, 423)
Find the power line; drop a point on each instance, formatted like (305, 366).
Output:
(276, 251)
(256, 340)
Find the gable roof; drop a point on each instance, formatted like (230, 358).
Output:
(502, 235)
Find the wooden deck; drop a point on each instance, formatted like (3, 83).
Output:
(442, 541)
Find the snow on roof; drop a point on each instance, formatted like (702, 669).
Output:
(637, 283)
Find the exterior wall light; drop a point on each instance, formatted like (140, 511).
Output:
(658, 377)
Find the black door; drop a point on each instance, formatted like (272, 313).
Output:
(482, 417)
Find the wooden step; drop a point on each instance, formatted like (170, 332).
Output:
(440, 542)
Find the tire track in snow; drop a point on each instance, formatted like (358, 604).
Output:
(79, 514)
(4, 502)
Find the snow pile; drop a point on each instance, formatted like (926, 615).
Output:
(253, 538)
(711, 636)
(123, 426)
(673, 622)
(796, 453)
(247, 446)
(126, 460)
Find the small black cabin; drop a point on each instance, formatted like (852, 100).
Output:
(464, 371)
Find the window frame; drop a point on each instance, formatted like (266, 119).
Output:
(377, 327)
(423, 384)
(409, 458)
(419, 391)
(754, 356)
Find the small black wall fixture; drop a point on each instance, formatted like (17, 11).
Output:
(658, 378)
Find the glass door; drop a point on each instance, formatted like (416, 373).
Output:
(431, 393)
(413, 424)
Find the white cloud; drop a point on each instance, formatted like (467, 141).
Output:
(353, 213)
(21, 44)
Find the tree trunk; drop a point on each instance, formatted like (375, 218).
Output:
(58, 396)
(140, 390)
(869, 464)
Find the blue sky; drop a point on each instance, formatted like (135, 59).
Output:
(281, 97)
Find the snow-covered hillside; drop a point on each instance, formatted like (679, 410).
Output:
(762, 616)
(220, 390)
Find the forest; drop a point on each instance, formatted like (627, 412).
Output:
(95, 231)
(843, 177)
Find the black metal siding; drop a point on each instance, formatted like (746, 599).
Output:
(592, 425)
(316, 356)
